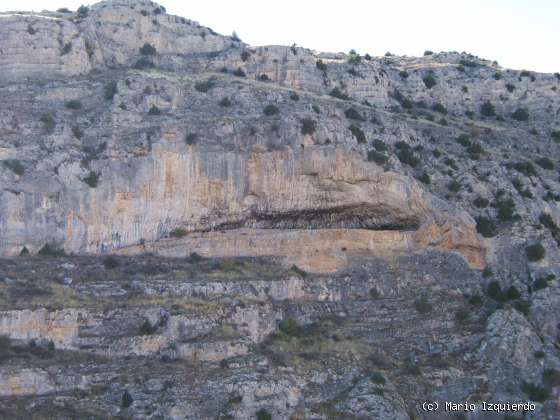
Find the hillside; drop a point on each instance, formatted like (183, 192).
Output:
(295, 233)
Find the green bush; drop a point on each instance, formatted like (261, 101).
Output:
(438, 107)
(494, 290)
(204, 86)
(48, 122)
(525, 167)
(82, 12)
(14, 165)
(512, 293)
(263, 414)
(298, 271)
(126, 400)
(294, 96)
(403, 74)
(239, 72)
(337, 93)
(428, 52)
(147, 328)
(321, 65)
(545, 163)
(481, 202)
(5, 348)
(407, 156)
(425, 178)
(73, 104)
(379, 145)
(264, 78)
(110, 90)
(66, 48)
(110, 262)
(190, 138)
(454, 186)
(542, 282)
(92, 179)
(178, 233)
(423, 306)
(50, 251)
(535, 392)
(535, 252)
(225, 102)
(352, 114)
(357, 133)
(464, 140)
(147, 49)
(555, 136)
(154, 110)
(462, 316)
(271, 110)
(245, 55)
(289, 327)
(485, 226)
(378, 378)
(308, 126)
(520, 114)
(143, 63)
(429, 81)
(375, 156)
(510, 88)
(497, 75)
(506, 208)
(487, 109)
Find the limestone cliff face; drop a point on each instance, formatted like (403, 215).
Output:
(121, 148)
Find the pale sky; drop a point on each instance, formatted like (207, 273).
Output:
(519, 34)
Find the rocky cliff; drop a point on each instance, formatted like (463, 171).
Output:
(263, 206)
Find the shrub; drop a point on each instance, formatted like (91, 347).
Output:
(14, 165)
(542, 282)
(92, 179)
(475, 300)
(407, 156)
(520, 114)
(428, 52)
(190, 138)
(481, 202)
(358, 133)
(535, 252)
(525, 167)
(454, 186)
(239, 72)
(494, 290)
(154, 110)
(337, 93)
(321, 65)
(225, 102)
(505, 208)
(462, 315)
(555, 136)
(126, 400)
(510, 88)
(436, 153)
(294, 96)
(438, 107)
(178, 233)
(423, 306)
(73, 104)
(245, 55)
(289, 327)
(545, 163)
(111, 90)
(497, 75)
(271, 110)
(264, 78)
(379, 145)
(308, 126)
(263, 414)
(50, 251)
(352, 114)
(512, 293)
(298, 271)
(316, 109)
(403, 74)
(535, 392)
(235, 37)
(147, 49)
(204, 86)
(487, 109)
(82, 12)
(66, 49)
(110, 262)
(63, 10)
(425, 178)
(147, 328)
(485, 226)
(429, 81)
(48, 121)
(464, 140)
(378, 378)
(379, 158)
